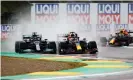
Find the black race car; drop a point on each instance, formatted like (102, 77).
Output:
(120, 39)
(72, 44)
(35, 44)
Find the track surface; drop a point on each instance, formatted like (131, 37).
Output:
(123, 53)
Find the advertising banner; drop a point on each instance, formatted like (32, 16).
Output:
(79, 14)
(46, 12)
(100, 18)
(121, 26)
(130, 13)
(6, 30)
(108, 13)
(103, 27)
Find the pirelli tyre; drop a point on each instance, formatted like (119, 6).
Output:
(62, 47)
(83, 46)
(103, 41)
(18, 46)
(131, 40)
(126, 43)
(52, 45)
(92, 46)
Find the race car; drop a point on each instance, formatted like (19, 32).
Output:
(72, 44)
(121, 38)
(35, 43)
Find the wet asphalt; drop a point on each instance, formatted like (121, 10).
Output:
(122, 53)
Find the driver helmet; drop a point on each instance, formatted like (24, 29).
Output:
(72, 34)
(84, 39)
(121, 31)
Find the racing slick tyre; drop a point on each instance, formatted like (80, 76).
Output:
(103, 41)
(83, 46)
(126, 44)
(131, 40)
(92, 46)
(52, 45)
(62, 47)
(18, 47)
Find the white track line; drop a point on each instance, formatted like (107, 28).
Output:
(99, 58)
(87, 76)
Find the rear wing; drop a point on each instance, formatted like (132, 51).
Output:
(130, 32)
(26, 36)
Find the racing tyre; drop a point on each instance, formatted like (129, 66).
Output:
(126, 44)
(18, 46)
(83, 46)
(62, 47)
(92, 46)
(52, 45)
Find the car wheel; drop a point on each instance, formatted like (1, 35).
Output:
(18, 46)
(52, 45)
(92, 46)
(126, 44)
(83, 46)
(62, 47)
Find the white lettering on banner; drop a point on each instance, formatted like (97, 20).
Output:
(84, 27)
(109, 8)
(109, 19)
(108, 13)
(103, 27)
(79, 19)
(121, 26)
(130, 19)
(79, 14)
(130, 8)
(46, 12)
(78, 8)
(47, 9)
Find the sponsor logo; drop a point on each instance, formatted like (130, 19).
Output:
(4, 36)
(46, 12)
(103, 27)
(78, 8)
(79, 13)
(121, 26)
(130, 13)
(6, 30)
(108, 13)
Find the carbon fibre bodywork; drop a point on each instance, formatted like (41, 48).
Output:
(118, 40)
(74, 45)
(34, 43)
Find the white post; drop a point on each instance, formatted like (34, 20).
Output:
(57, 45)
(113, 28)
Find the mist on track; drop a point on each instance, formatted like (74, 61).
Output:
(48, 30)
